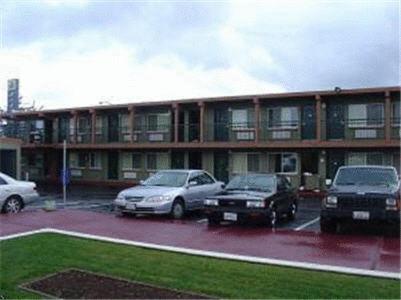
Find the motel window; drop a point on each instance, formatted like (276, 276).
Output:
(73, 159)
(137, 123)
(95, 160)
(99, 125)
(365, 114)
(245, 162)
(239, 118)
(124, 124)
(157, 161)
(158, 122)
(396, 114)
(286, 163)
(283, 117)
(365, 158)
(72, 126)
(82, 157)
(83, 125)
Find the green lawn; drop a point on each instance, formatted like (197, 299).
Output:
(27, 258)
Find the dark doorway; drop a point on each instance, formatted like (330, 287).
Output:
(221, 165)
(113, 130)
(48, 131)
(63, 129)
(8, 162)
(335, 159)
(195, 160)
(308, 122)
(221, 121)
(335, 121)
(112, 164)
(177, 160)
(181, 127)
(193, 127)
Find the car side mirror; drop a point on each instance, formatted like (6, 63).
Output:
(223, 185)
(192, 183)
(328, 182)
(141, 182)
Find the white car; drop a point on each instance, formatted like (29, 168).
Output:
(15, 194)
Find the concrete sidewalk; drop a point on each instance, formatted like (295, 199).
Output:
(362, 252)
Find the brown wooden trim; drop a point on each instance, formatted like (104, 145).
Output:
(318, 117)
(201, 121)
(176, 121)
(272, 96)
(387, 116)
(93, 126)
(257, 118)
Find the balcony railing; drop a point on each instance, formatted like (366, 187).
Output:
(230, 132)
(287, 130)
(354, 129)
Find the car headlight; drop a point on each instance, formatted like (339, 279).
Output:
(391, 202)
(211, 202)
(158, 199)
(255, 204)
(331, 200)
(120, 198)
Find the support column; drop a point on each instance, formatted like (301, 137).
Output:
(75, 127)
(257, 119)
(387, 116)
(131, 110)
(318, 118)
(93, 126)
(176, 121)
(201, 121)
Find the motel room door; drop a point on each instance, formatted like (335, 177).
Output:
(113, 128)
(221, 120)
(308, 122)
(112, 165)
(221, 166)
(335, 121)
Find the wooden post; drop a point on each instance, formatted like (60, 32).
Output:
(131, 115)
(75, 126)
(318, 117)
(201, 121)
(387, 116)
(93, 126)
(257, 119)
(176, 121)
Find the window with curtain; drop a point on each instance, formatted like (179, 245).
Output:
(158, 122)
(245, 162)
(239, 118)
(365, 158)
(396, 114)
(95, 160)
(361, 115)
(285, 162)
(283, 117)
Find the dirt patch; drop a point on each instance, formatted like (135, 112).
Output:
(78, 284)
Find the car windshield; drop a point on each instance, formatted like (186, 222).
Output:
(366, 176)
(7, 178)
(264, 183)
(173, 179)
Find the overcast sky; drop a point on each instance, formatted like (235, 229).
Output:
(76, 53)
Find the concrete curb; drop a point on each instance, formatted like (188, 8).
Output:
(213, 254)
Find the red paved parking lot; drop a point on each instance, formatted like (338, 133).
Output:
(364, 252)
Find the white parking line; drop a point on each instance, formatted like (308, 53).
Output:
(307, 224)
(202, 221)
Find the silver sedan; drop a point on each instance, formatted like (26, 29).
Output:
(168, 192)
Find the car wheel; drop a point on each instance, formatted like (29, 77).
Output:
(273, 217)
(292, 211)
(177, 210)
(13, 205)
(119, 213)
(213, 221)
(328, 226)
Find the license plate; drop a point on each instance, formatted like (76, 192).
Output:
(360, 215)
(230, 216)
(131, 206)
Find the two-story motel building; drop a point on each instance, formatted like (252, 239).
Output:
(291, 133)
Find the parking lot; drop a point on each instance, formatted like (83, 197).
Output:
(100, 200)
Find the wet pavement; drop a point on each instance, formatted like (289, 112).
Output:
(364, 251)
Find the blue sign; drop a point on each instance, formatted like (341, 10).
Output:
(65, 176)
